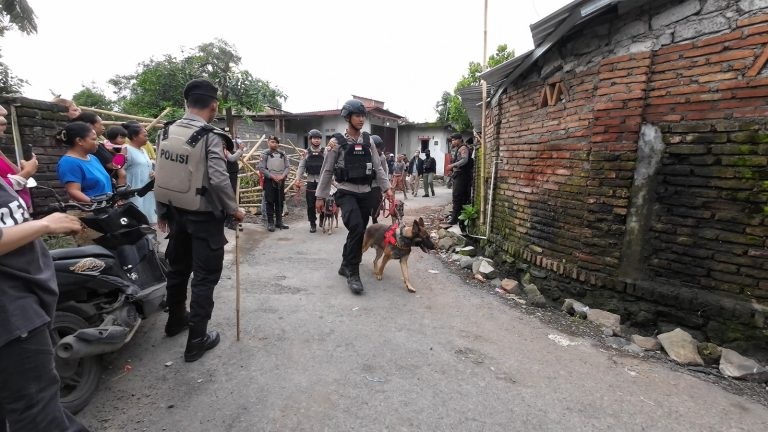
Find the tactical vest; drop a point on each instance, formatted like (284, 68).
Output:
(468, 167)
(181, 174)
(275, 161)
(314, 162)
(357, 167)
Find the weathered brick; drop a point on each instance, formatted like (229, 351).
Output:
(741, 280)
(688, 149)
(714, 138)
(745, 160)
(741, 239)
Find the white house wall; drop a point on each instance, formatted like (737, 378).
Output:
(438, 147)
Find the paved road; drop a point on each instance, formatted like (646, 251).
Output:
(313, 357)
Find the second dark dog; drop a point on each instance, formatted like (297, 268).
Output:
(330, 212)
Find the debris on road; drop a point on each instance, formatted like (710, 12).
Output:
(562, 340)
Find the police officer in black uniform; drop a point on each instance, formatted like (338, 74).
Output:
(194, 196)
(461, 166)
(311, 164)
(354, 163)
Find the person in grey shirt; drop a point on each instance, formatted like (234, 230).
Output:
(354, 162)
(274, 167)
(194, 196)
(311, 164)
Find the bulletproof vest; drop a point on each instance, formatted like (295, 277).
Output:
(314, 162)
(469, 167)
(275, 161)
(181, 174)
(357, 167)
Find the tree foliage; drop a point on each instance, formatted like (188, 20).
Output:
(159, 84)
(18, 15)
(449, 108)
(92, 96)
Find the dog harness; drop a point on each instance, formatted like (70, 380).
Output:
(401, 244)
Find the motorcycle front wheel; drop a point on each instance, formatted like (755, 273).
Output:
(80, 377)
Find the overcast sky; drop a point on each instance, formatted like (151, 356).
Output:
(404, 52)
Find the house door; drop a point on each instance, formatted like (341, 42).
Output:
(424, 145)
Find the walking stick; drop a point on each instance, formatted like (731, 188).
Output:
(237, 267)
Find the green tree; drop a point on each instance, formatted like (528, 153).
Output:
(160, 83)
(18, 15)
(92, 96)
(449, 108)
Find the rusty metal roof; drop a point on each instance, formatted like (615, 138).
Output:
(545, 33)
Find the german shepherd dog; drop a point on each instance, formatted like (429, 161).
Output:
(330, 212)
(393, 242)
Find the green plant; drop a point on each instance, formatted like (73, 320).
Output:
(468, 213)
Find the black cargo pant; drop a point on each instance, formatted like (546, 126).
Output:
(311, 212)
(29, 387)
(462, 186)
(375, 203)
(355, 211)
(274, 194)
(195, 246)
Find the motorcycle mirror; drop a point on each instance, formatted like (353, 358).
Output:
(118, 160)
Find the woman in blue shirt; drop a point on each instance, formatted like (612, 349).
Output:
(82, 174)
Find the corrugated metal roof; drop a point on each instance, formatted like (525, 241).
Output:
(546, 33)
(472, 99)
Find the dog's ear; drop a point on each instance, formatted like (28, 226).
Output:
(415, 226)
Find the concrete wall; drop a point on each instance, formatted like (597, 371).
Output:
(665, 227)
(409, 142)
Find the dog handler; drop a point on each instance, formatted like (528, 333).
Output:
(355, 163)
(311, 164)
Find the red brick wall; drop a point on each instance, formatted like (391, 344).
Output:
(566, 175)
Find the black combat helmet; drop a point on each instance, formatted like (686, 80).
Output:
(352, 106)
(378, 142)
(314, 133)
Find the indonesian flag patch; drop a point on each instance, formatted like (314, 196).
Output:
(358, 147)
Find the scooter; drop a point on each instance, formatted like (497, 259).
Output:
(105, 290)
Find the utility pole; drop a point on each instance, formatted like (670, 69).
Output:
(483, 147)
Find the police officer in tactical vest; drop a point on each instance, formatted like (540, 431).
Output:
(354, 163)
(274, 167)
(194, 196)
(461, 166)
(311, 164)
(375, 189)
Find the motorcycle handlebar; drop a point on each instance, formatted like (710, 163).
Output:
(97, 202)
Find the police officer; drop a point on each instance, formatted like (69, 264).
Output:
(461, 166)
(194, 196)
(274, 167)
(375, 189)
(354, 163)
(311, 164)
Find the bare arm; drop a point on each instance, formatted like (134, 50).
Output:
(14, 237)
(75, 193)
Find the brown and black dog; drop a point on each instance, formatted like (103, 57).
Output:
(328, 215)
(393, 242)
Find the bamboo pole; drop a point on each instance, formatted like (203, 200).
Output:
(237, 267)
(157, 120)
(117, 114)
(16, 136)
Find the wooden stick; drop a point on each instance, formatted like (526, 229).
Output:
(116, 114)
(237, 267)
(157, 120)
(16, 136)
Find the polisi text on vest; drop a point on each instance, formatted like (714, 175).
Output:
(174, 157)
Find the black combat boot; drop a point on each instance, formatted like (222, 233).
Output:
(343, 270)
(312, 227)
(354, 283)
(199, 341)
(279, 223)
(270, 223)
(178, 320)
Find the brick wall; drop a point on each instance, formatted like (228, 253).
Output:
(38, 122)
(569, 199)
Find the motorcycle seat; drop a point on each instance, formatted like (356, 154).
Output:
(91, 251)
